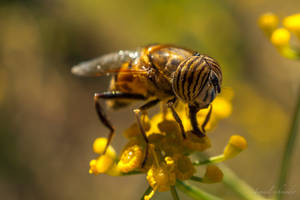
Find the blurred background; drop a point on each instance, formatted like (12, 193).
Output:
(47, 116)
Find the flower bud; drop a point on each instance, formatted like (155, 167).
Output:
(292, 22)
(99, 146)
(235, 145)
(281, 37)
(213, 174)
(104, 163)
(268, 23)
(101, 165)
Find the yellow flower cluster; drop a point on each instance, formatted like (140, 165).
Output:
(167, 158)
(280, 36)
(268, 22)
(105, 163)
(292, 23)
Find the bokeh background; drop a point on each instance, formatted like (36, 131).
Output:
(47, 117)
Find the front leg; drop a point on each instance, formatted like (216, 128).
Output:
(193, 117)
(193, 110)
(207, 118)
(176, 116)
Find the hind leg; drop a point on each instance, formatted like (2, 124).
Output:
(101, 114)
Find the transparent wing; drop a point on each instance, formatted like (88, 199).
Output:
(106, 64)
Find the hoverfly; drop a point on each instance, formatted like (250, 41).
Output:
(156, 73)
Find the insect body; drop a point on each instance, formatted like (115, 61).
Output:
(156, 73)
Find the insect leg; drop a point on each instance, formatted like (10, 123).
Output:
(176, 116)
(138, 119)
(193, 117)
(164, 110)
(207, 118)
(149, 104)
(101, 114)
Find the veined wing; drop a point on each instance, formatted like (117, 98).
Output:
(106, 64)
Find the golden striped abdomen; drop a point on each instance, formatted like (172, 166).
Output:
(130, 79)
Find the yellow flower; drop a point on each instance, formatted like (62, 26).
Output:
(162, 130)
(170, 128)
(99, 146)
(101, 165)
(93, 169)
(292, 23)
(131, 157)
(170, 163)
(170, 146)
(171, 140)
(268, 23)
(184, 167)
(167, 157)
(196, 143)
(281, 38)
(155, 122)
(235, 145)
(212, 174)
(161, 177)
(222, 108)
(105, 161)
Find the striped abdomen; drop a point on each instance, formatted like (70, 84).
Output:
(195, 79)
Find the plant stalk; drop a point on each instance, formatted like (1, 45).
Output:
(174, 193)
(149, 189)
(211, 160)
(239, 186)
(194, 192)
(288, 152)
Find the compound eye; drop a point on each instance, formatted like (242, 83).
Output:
(215, 81)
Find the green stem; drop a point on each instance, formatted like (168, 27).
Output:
(289, 147)
(194, 192)
(290, 53)
(131, 173)
(239, 186)
(196, 178)
(215, 159)
(149, 189)
(174, 193)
